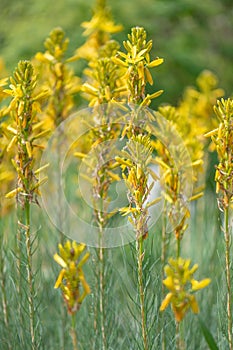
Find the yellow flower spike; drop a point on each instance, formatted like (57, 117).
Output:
(178, 281)
(24, 118)
(137, 62)
(71, 278)
(222, 140)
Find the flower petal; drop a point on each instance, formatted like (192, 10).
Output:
(59, 279)
(169, 283)
(165, 302)
(194, 304)
(59, 260)
(199, 285)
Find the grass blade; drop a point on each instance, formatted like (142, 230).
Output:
(207, 335)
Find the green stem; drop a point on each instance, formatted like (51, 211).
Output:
(101, 301)
(101, 276)
(178, 347)
(163, 261)
(30, 277)
(19, 246)
(228, 276)
(73, 332)
(180, 344)
(4, 299)
(140, 254)
(178, 247)
(99, 309)
(100, 218)
(3, 291)
(179, 340)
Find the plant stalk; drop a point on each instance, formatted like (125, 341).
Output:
(140, 255)
(4, 297)
(163, 261)
(228, 276)
(101, 277)
(73, 332)
(30, 277)
(178, 345)
(178, 246)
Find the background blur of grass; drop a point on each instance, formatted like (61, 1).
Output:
(191, 36)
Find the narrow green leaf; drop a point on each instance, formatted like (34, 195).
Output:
(207, 335)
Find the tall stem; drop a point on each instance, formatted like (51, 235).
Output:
(101, 277)
(19, 255)
(73, 332)
(178, 332)
(3, 288)
(178, 347)
(31, 306)
(228, 276)
(163, 260)
(101, 301)
(140, 253)
(178, 247)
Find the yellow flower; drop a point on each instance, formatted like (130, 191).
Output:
(98, 31)
(181, 285)
(136, 63)
(71, 279)
(222, 138)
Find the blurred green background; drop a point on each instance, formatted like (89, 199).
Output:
(190, 35)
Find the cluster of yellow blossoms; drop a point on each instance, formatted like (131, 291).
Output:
(182, 287)
(71, 278)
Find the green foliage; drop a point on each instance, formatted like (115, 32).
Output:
(208, 336)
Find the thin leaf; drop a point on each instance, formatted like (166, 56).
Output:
(207, 335)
